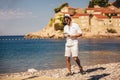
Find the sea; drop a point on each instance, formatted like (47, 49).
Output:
(18, 54)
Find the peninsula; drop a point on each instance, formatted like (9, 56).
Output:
(95, 21)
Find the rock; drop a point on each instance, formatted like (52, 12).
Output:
(32, 70)
(47, 32)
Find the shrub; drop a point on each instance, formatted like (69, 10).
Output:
(51, 21)
(57, 10)
(111, 30)
(60, 7)
(58, 26)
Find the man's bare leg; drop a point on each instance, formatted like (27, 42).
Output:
(76, 59)
(68, 64)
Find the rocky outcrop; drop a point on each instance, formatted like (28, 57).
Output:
(47, 32)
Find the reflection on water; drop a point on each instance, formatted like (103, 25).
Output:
(98, 57)
(99, 51)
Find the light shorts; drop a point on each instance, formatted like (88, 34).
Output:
(73, 50)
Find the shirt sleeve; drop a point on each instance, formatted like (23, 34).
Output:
(64, 29)
(79, 29)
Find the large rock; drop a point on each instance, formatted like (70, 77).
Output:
(47, 32)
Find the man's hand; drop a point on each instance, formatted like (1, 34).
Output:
(75, 36)
(66, 35)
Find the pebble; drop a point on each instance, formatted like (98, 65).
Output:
(109, 71)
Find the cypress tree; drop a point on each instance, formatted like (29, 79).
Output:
(101, 3)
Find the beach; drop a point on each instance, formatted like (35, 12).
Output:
(110, 71)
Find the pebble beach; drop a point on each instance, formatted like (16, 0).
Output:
(110, 71)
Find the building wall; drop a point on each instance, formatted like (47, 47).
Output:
(115, 22)
(65, 9)
(90, 11)
(84, 20)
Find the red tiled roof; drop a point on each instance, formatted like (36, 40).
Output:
(75, 16)
(89, 8)
(66, 13)
(116, 17)
(97, 15)
(78, 15)
(83, 14)
(97, 8)
(103, 10)
(118, 12)
(109, 11)
(101, 16)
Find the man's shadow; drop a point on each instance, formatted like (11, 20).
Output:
(91, 70)
(94, 69)
(97, 77)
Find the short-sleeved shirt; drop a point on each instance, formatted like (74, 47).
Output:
(73, 48)
(73, 29)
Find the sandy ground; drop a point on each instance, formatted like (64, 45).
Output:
(109, 71)
(33, 78)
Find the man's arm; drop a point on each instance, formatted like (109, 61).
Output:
(76, 35)
(66, 35)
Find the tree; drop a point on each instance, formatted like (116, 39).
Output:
(91, 5)
(101, 3)
(58, 26)
(117, 3)
(56, 10)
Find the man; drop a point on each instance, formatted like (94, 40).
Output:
(71, 31)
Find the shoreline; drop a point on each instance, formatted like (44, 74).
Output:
(108, 71)
(85, 35)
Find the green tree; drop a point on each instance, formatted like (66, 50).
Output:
(58, 26)
(117, 3)
(56, 10)
(52, 20)
(101, 3)
(91, 4)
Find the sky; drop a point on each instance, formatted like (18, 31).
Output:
(20, 17)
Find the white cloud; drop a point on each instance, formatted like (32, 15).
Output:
(15, 14)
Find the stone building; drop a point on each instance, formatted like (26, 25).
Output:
(97, 16)
(69, 9)
(115, 20)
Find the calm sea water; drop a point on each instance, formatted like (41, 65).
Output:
(18, 54)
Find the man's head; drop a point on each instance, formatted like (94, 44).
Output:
(67, 19)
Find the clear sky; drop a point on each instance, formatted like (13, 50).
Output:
(19, 17)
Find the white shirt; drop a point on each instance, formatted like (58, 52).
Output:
(72, 30)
